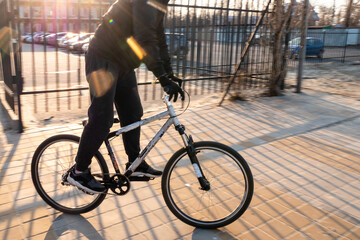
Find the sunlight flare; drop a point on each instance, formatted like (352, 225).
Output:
(159, 6)
(135, 46)
(100, 82)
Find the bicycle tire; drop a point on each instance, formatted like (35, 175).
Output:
(217, 207)
(51, 160)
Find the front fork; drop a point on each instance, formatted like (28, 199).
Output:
(190, 149)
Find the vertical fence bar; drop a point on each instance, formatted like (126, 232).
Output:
(180, 53)
(246, 59)
(216, 48)
(211, 49)
(67, 53)
(32, 39)
(323, 39)
(18, 65)
(209, 37)
(57, 79)
(231, 29)
(344, 56)
(193, 32)
(238, 44)
(44, 29)
(221, 44)
(185, 62)
(198, 51)
(20, 79)
(79, 54)
(203, 52)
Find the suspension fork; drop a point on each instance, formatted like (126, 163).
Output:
(190, 149)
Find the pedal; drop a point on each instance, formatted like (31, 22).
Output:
(64, 177)
(140, 179)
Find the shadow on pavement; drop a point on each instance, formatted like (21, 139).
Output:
(8, 140)
(76, 223)
(213, 234)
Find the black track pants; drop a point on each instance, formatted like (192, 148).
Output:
(109, 85)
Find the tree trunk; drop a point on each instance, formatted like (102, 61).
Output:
(281, 23)
(348, 13)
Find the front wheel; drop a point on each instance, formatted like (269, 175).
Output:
(53, 158)
(231, 186)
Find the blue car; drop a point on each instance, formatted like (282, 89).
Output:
(314, 47)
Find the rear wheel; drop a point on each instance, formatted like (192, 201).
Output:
(53, 158)
(231, 186)
(321, 54)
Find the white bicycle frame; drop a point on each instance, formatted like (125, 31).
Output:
(172, 120)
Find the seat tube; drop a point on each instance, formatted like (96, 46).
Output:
(112, 156)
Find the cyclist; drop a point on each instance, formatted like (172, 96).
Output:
(131, 32)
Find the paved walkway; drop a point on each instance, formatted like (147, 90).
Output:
(303, 149)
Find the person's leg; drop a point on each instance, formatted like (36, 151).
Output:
(129, 108)
(101, 76)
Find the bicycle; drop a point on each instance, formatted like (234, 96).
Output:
(204, 184)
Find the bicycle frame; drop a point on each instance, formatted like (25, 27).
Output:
(172, 120)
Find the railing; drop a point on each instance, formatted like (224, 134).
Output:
(205, 43)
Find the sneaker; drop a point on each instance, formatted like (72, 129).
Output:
(85, 181)
(144, 170)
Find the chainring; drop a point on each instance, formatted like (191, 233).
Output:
(120, 184)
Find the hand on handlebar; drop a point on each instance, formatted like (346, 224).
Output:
(172, 86)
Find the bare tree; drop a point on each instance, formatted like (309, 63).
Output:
(348, 13)
(281, 26)
(355, 14)
(326, 15)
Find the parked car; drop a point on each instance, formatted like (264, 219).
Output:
(75, 39)
(177, 44)
(314, 47)
(51, 39)
(39, 37)
(28, 38)
(65, 38)
(25, 36)
(85, 47)
(77, 45)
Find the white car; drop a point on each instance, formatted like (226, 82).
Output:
(85, 47)
(62, 41)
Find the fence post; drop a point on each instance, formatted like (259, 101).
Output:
(303, 45)
(344, 56)
(16, 46)
(324, 34)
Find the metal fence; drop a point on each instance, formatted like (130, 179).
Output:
(205, 42)
(340, 45)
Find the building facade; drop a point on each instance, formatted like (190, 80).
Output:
(60, 15)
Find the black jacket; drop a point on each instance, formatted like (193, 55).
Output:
(139, 20)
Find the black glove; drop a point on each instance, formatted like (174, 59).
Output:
(171, 87)
(175, 79)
